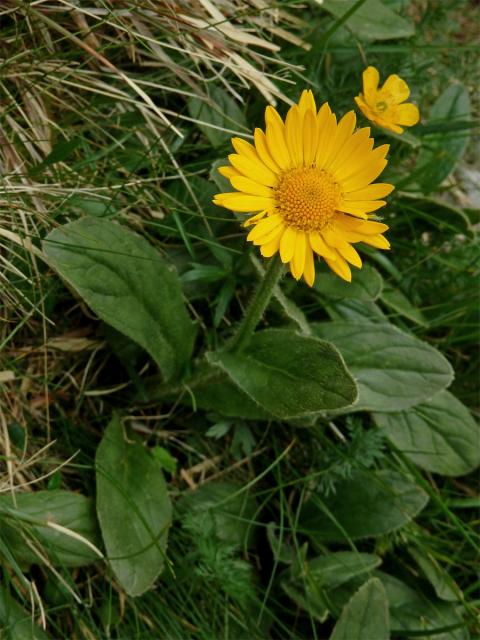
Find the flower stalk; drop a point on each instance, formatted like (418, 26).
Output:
(257, 305)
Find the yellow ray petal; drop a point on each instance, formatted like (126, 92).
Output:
(395, 90)
(307, 102)
(228, 172)
(356, 162)
(263, 152)
(294, 136)
(275, 233)
(309, 269)
(333, 236)
(269, 249)
(244, 148)
(323, 114)
(297, 263)
(344, 132)
(247, 185)
(363, 178)
(348, 150)
(253, 169)
(326, 138)
(319, 246)
(377, 241)
(407, 114)
(372, 192)
(371, 78)
(358, 206)
(264, 227)
(272, 115)
(309, 138)
(245, 203)
(254, 219)
(340, 267)
(369, 227)
(277, 145)
(287, 244)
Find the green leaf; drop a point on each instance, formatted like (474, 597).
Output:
(314, 603)
(393, 369)
(372, 20)
(38, 517)
(439, 435)
(369, 503)
(133, 508)
(442, 150)
(397, 301)
(216, 114)
(332, 570)
(365, 615)
(366, 285)
(289, 375)
(214, 391)
(443, 584)
(165, 458)
(222, 509)
(127, 284)
(411, 610)
(307, 581)
(15, 622)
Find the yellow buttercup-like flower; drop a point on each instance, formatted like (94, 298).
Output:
(386, 106)
(308, 181)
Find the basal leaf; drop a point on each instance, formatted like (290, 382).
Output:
(39, 518)
(133, 509)
(127, 284)
(367, 284)
(373, 20)
(307, 580)
(15, 622)
(399, 302)
(215, 391)
(369, 503)
(439, 435)
(443, 148)
(412, 610)
(289, 375)
(365, 615)
(393, 369)
(332, 570)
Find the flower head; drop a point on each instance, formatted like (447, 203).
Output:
(308, 181)
(386, 106)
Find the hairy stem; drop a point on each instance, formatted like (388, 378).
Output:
(257, 305)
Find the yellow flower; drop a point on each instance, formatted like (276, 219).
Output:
(384, 106)
(308, 180)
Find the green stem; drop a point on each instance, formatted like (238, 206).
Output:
(257, 305)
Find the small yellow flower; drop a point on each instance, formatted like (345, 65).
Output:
(308, 181)
(384, 106)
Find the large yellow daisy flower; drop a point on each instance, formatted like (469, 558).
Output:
(309, 180)
(386, 105)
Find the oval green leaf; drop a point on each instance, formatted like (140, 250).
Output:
(367, 284)
(15, 622)
(439, 435)
(372, 20)
(127, 284)
(61, 525)
(289, 375)
(365, 615)
(367, 504)
(393, 369)
(133, 508)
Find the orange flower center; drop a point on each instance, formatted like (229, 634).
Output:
(307, 198)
